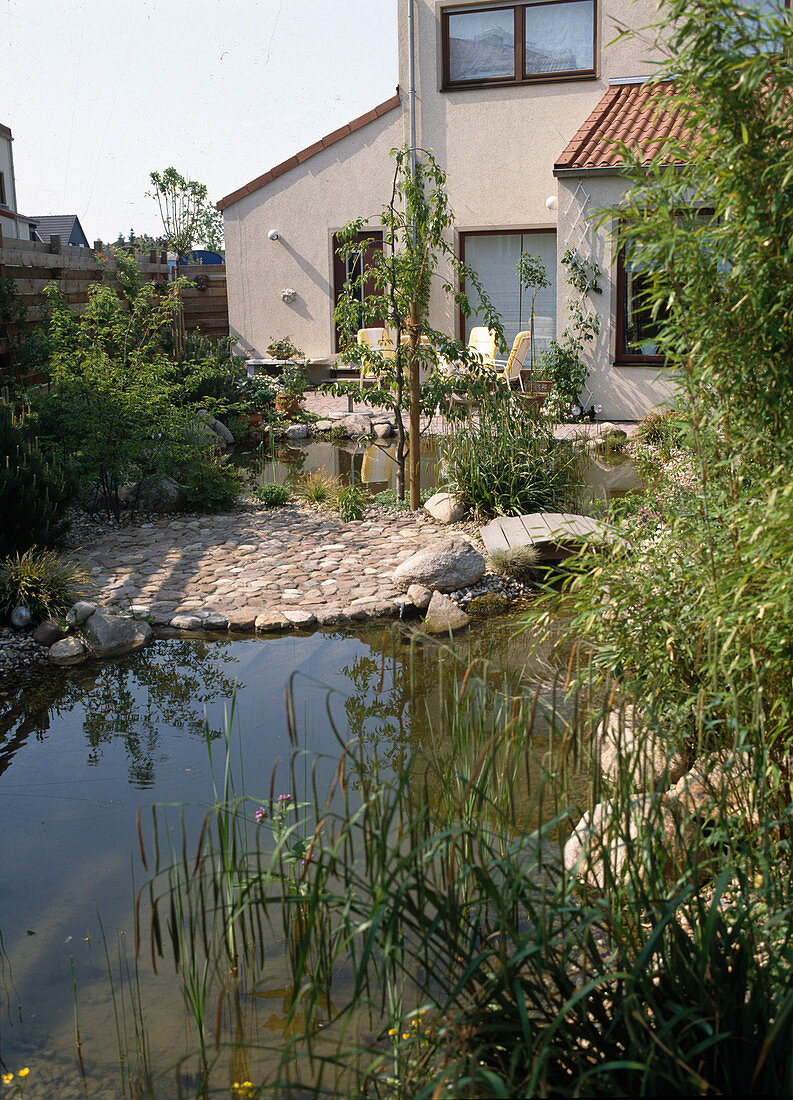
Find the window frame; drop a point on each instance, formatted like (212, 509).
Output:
(623, 357)
(519, 76)
(463, 234)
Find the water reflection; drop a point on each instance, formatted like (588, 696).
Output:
(77, 750)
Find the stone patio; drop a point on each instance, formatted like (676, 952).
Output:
(268, 568)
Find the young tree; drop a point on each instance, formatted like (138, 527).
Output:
(393, 288)
(187, 216)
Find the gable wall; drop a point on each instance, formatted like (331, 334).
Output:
(305, 206)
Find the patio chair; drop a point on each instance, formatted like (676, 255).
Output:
(374, 340)
(482, 342)
(513, 366)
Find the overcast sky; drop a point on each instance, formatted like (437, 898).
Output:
(98, 93)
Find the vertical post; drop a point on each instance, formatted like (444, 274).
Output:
(415, 410)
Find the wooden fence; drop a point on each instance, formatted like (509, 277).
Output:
(33, 265)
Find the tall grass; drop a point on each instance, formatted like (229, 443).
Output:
(437, 945)
(504, 460)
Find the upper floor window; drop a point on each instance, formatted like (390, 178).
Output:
(519, 43)
(2, 190)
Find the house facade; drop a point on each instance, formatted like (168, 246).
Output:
(12, 223)
(505, 95)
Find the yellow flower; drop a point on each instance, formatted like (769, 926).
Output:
(24, 1072)
(392, 1031)
(7, 1078)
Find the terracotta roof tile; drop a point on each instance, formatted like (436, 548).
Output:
(631, 114)
(310, 151)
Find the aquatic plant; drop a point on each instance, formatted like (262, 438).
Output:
(506, 461)
(318, 487)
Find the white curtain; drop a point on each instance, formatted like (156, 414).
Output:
(494, 257)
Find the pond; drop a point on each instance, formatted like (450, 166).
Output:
(374, 466)
(82, 753)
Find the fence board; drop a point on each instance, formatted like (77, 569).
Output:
(33, 267)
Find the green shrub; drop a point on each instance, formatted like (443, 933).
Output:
(318, 487)
(351, 502)
(518, 562)
(34, 492)
(665, 429)
(40, 580)
(507, 462)
(272, 495)
(211, 484)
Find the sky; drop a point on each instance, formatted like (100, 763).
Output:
(99, 93)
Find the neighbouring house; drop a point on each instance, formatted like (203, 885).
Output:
(12, 223)
(520, 103)
(65, 226)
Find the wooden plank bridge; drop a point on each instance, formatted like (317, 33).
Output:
(554, 534)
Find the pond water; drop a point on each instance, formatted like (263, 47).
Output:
(82, 752)
(374, 466)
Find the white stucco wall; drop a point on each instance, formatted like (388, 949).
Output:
(497, 146)
(8, 224)
(625, 392)
(305, 206)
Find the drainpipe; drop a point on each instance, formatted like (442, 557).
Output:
(412, 88)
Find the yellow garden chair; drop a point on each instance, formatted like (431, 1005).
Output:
(513, 365)
(374, 340)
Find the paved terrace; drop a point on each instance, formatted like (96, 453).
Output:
(280, 566)
(269, 568)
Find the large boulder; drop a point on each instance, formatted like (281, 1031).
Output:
(628, 749)
(80, 611)
(110, 635)
(617, 845)
(444, 615)
(154, 494)
(453, 564)
(67, 651)
(355, 424)
(221, 431)
(445, 508)
(48, 633)
(718, 787)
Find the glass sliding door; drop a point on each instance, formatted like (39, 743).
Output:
(494, 257)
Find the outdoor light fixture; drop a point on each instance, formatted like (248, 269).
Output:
(273, 234)
(593, 411)
(551, 203)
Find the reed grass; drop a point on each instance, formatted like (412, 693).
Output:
(505, 460)
(438, 946)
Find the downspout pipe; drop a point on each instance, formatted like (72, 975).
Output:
(412, 87)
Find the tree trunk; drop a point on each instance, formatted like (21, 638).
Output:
(415, 409)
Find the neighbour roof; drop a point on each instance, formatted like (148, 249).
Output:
(632, 114)
(304, 154)
(60, 225)
(5, 130)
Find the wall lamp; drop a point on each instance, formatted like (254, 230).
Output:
(273, 234)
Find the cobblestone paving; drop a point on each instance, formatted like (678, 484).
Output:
(270, 568)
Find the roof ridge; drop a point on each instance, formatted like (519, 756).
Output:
(310, 150)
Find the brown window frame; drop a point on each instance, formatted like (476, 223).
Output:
(464, 234)
(623, 357)
(519, 76)
(373, 238)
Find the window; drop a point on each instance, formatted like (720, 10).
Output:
(637, 329)
(494, 257)
(347, 269)
(519, 43)
(3, 201)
